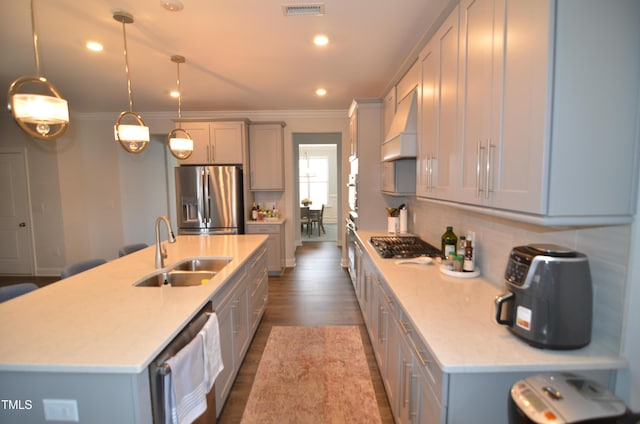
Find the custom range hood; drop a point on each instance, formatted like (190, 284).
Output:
(401, 141)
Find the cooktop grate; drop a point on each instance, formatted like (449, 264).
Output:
(403, 247)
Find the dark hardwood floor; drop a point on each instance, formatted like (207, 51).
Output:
(316, 292)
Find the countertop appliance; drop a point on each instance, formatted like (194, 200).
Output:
(209, 199)
(403, 247)
(159, 370)
(549, 302)
(561, 398)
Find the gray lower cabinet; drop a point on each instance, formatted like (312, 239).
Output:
(239, 307)
(275, 244)
(418, 390)
(415, 386)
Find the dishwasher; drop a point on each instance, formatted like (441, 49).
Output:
(159, 369)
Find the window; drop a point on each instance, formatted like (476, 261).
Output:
(314, 178)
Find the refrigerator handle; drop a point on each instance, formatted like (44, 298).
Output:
(205, 196)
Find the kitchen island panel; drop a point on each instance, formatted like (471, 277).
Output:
(100, 398)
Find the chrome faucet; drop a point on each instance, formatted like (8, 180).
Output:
(161, 251)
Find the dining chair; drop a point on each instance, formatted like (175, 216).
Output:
(78, 267)
(15, 290)
(130, 248)
(304, 219)
(315, 218)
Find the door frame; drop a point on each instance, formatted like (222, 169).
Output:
(300, 138)
(22, 152)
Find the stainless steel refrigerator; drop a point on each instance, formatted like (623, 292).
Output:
(209, 200)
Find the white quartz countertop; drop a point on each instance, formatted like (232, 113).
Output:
(455, 320)
(98, 321)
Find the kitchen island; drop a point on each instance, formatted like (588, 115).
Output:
(91, 337)
(426, 324)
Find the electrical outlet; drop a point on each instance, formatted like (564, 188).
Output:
(60, 410)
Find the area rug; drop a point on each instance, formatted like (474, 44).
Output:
(312, 375)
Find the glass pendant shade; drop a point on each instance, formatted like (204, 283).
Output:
(133, 138)
(180, 147)
(40, 111)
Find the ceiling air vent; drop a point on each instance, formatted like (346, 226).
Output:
(311, 9)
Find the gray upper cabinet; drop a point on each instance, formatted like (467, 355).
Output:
(547, 112)
(266, 156)
(437, 108)
(216, 143)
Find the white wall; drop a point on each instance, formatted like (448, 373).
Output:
(89, 196)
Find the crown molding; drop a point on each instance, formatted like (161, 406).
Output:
(255, 115)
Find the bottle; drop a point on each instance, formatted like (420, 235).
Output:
(254, 212)
(461, 245)
(468, 265)
(457, 262)
(449, 242)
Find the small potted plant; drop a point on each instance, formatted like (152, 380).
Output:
(305, 202)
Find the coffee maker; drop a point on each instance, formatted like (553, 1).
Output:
(550, 299)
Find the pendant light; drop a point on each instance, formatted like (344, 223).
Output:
(132, 137)
(180, 147)
(42, 116)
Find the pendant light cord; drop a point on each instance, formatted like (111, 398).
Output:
(35, 40)
(126, 66)
(179, 93)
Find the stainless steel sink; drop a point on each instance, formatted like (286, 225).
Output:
(202, 264)
(192, 272)
(176, 279)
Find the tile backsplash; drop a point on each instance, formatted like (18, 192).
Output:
(607, 248)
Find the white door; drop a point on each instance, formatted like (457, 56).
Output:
(16, 255)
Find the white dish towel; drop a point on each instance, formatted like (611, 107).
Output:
(213, 365)
(188, 394)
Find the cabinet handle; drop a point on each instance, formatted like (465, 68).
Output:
(419, 356)
(412, 413)
(427, 170)
(381, 326)
(236, 323)
(406, 366)
(488, 176)
(478, 162)
(432, 159)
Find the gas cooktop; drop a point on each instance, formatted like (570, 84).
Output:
(403, 247)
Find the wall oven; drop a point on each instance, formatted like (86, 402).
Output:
(352, 187)
(351, 246)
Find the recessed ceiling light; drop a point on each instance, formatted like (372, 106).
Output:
(321, 92)
(174, 94)
(320, 40)
(94, 46)
(172, 5)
